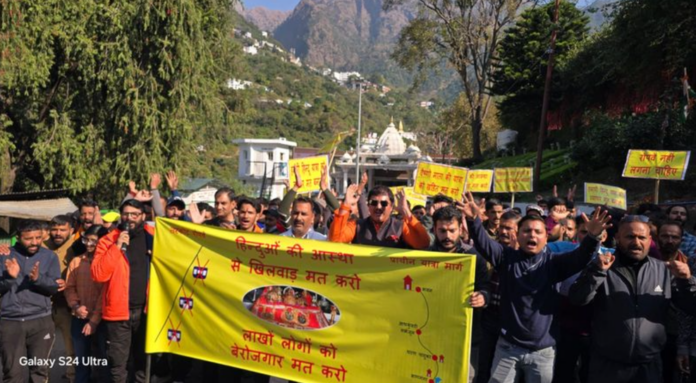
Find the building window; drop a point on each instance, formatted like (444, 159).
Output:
(282, 156)
(270, 156)
(246, 155)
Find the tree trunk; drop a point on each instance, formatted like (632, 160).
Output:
(476, 128)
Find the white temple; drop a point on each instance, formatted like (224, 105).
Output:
(388, 160)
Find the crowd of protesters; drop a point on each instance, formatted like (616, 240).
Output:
(559, 296)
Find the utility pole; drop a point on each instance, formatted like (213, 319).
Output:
(357, 146)
(545, 103)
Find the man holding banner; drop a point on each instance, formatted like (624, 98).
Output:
(529, 300)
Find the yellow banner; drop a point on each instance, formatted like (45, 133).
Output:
(513, 180)
(662, 165)
(310, 172)
(433, 179)
(611, 196)
(413, 198)
(479, 181)
(307, 310)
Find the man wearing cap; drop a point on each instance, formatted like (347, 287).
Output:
(176, 208)
(110, 219)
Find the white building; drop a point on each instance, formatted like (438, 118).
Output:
(252, 50)
(388, 160)
(248, 35)
(263, 164)
(235, 84)
(264, 33)
(343, 77)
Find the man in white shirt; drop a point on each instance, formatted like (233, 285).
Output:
(304, 212)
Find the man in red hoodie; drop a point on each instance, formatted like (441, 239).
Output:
(122, 263)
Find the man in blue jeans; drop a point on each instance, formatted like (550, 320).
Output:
(528, 297)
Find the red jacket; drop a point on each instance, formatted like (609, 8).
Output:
(110, 266)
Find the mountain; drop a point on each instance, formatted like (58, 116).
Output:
(265, 19)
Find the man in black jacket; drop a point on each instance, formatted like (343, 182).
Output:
(528, 297)
(631, 294)
(30, 275)
(448, 231)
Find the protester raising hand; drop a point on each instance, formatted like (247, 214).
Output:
(195, 213)
(599, 222)
(469, 207)
(172, 180)
(155, 181)
(298, 179)
(12, 267)
(324, 183)
(351, 197)
(402, 205)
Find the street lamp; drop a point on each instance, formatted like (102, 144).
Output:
(357, 146)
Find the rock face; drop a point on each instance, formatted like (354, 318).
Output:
(264, 18)
(341, 34)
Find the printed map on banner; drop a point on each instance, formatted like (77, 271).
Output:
(513, 180)
(611, 196)
(433, 179)
(310, 172)
(654, 164)
(479, 181)
(413, 198)
(309, 311)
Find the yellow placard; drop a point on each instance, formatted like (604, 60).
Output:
(479, 181)
(433, 179)
(611, 196)
(513, 180)
(656, 164)
(310, 172)
(307, 310)
(413, 198)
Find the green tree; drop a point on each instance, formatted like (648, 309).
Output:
(466, 34)
(523, 57)
(95, 93)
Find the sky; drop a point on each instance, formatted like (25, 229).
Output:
(282, 5)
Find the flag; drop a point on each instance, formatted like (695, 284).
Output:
(330, 145)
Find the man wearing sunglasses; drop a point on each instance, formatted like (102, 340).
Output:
(381, 228)
(125, 277)
(631, 293)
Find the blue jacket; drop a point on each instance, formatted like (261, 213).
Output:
(23, 299)
(529, 297)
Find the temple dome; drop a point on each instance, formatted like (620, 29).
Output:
(391, 143)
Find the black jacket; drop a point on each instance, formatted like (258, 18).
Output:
(631, 305)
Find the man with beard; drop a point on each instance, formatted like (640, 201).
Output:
(494, 210)
(60, 242)
(30, 276)
(89, 215)
(448, 232)
(176, 207)
(490, 317)
(680, 214)
(669, 238)
(381, 228)
(528, 298)
(302, 217)
(631, 294)
(125, 277)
